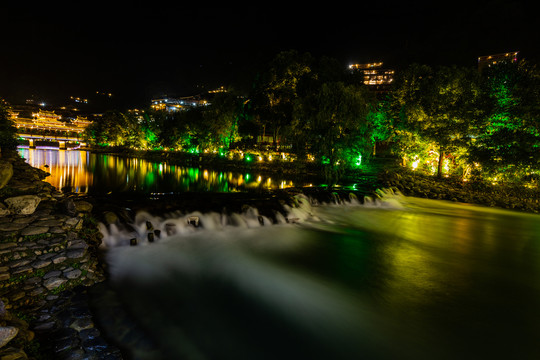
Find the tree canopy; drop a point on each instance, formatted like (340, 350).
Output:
(8, 132)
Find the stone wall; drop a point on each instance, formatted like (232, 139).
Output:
(45, 264)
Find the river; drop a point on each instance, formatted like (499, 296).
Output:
(394, 278)
(85, 172)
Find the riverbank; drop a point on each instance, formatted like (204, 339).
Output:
(49, 259)
(505, 196)
(382, 172)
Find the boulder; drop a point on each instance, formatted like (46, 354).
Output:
(110, 217)
(83, 206)
(6, 334)
(6, 172)
(23, 205)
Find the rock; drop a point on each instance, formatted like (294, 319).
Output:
(83, 206)
(6, 172)
(84, 323)
(4, 210)
(59, 258)
(53, 283)
(13, 226)
(49, 223)
(16, 295)
(76, 354)
(45, 326)
(24, 204)
(13, 354)
(71, 222)
(6, 334)
(34, 230)
(69, 206)
(110, 217)
(73, 274)
(51, 274)
(77, 244)
(76, 253)
(2, 309)
(38, 264)
(37, 291)
(22, 270)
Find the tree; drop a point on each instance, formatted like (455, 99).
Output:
(332, 121)
(274, 91)
(221, 118)
(436, 107)
(110, 129)
(380, 122)
(8, 132)
(510, 139)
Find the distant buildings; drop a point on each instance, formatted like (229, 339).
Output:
(171, 104)
(490, 60)
(374, 75)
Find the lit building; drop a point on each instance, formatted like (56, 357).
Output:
(375, 75)
(176, 104)
(81, 122)
(48, 120)
(490, 60)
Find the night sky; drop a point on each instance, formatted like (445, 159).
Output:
(146, 49)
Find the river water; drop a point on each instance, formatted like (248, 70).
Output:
(394, 278)
(89, 173)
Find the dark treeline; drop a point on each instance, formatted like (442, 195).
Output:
(445, 121)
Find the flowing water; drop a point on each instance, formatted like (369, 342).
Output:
(395, 278)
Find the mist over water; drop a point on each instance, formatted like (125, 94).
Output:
(398, 278)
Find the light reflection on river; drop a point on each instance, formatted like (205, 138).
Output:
(84, 172)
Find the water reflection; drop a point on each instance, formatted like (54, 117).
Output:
(85, 172)
(68, 168)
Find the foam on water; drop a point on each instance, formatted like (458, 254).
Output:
(178, 223)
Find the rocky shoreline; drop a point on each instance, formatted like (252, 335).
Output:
(49, 259)
(504, 196)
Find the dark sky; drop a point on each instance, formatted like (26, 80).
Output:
(144, 49)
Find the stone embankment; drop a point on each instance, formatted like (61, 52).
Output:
(48, 258)
(506, 196)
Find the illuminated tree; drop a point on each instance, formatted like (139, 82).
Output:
(509, 145)
(8, 132)
(436, 108)
(221, 119)
(380, 123)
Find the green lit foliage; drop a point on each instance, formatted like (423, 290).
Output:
(221, 120)
(381, 124)
(433, 109)
(508, 148)
(332, 121)
(116, 129)
(7, 130)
